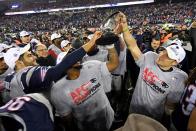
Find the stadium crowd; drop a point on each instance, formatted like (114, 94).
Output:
(63, 73)
(177, 13)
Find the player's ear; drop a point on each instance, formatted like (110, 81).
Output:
(18, 62)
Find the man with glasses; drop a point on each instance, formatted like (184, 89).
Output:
(34, 110)
(43, 57)
(30, 77)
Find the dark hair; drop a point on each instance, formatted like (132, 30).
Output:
(156, 38)
(192, 77)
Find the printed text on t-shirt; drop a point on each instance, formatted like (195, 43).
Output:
(153, 81)
(82, 93)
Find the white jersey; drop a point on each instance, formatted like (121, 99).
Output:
(102, 55)
(121, 69)
(85, 97)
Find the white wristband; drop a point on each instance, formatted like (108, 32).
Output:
(110, 46)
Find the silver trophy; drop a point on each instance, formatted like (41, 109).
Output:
(108, 26)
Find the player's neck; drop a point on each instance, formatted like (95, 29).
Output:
(73, 74)
(166, 69)
(18, 68)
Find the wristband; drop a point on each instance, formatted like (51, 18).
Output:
(110, 46)
(126, 29)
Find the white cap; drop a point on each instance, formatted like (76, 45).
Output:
(24, 33)
(4, 46)
(175, 51)
(64, 43)
(60, 57)
(90, 36)
(13, 54)
(35, 41)
(55, 36)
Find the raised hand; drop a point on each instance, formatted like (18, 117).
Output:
(123, 18)
(97, 35)
(87, 47)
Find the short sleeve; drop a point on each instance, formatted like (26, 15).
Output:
(148, 57)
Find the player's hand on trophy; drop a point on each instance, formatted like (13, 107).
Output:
(97, 35)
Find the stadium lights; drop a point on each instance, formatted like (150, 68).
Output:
(14, 6)
(80, 8)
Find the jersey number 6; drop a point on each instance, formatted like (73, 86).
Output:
(16, 104)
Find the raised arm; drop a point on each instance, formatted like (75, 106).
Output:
(129, 40)
(57, 71)
(113, 61)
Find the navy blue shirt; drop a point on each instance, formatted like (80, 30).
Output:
(26, 112)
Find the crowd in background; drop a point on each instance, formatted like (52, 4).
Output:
(176, 13)
(153, 28)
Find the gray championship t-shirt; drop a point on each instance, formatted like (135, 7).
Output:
(155, 86)
(85, 97)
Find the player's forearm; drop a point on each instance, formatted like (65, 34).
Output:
(55, 73)
(131, 43)
(89, 45)
(122, 43)
(129, 40)
(113, 59)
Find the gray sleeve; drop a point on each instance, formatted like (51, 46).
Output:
(60, 103)
(106, 77)
(147, 57)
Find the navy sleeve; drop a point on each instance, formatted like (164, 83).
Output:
(43, 76)
(55, 73)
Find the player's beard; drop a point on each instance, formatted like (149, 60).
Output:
(3, 70)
